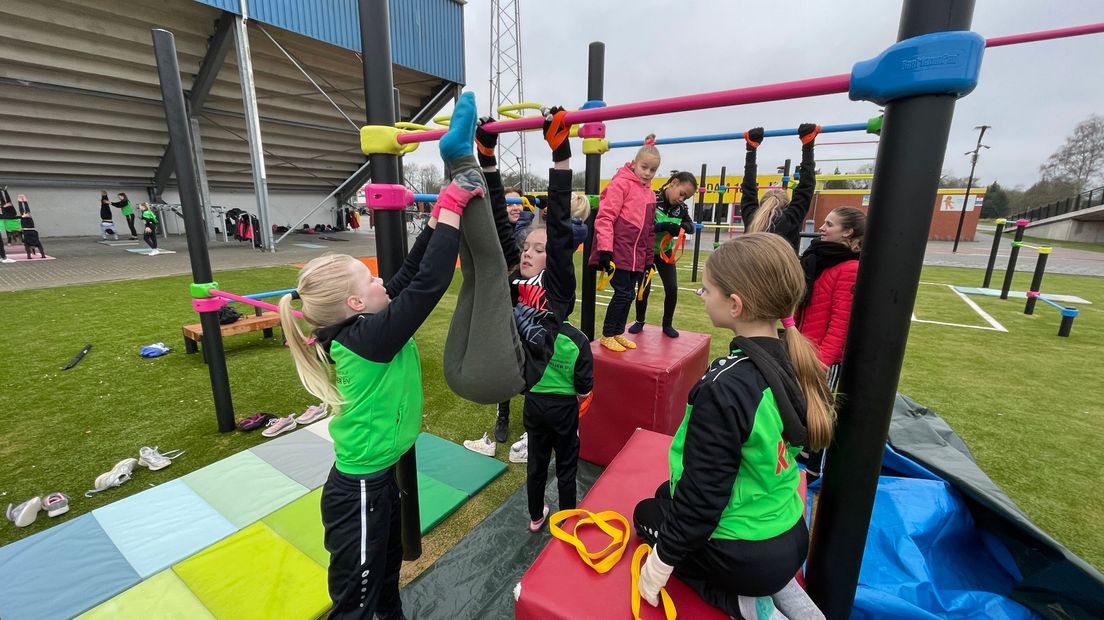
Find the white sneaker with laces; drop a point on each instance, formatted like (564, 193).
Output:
(277, 426)
(519, 452)
(313, 413)
(154, 460)
(118, 475)
(483, 446)
(7, 260)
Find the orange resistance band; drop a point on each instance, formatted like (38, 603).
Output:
(671, 248)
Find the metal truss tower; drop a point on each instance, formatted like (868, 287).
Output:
(506, 82)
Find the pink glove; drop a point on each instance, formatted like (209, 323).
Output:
(456, 196)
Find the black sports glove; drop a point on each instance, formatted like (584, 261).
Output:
(753, 137)
(807, 132)
(670, 228)
(605, 260)
(485, 143)
(688, 227)
(556, 132)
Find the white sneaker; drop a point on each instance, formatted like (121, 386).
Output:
(277, 426)
(7, 260)
(483, 446)
(154, 460)
(519, 452)
(313, 413)
(154, 252)
(118, 475)
(25, 513)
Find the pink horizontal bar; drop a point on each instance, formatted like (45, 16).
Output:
(754, 94)
(252, 302)
(1044, 35)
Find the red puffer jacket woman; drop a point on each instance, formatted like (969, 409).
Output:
(831, 267)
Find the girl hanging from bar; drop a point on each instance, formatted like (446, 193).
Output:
(776, 212)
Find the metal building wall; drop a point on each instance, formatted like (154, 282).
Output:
(426, 35)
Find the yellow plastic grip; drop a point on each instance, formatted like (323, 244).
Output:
(644, 282)
(604, 559)
(383, 140)
(668, 603)
(604, 277)
(595, 146)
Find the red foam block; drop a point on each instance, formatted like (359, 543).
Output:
(645, 387)
(560, 585)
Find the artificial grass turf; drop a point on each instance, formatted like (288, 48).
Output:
(64, 428)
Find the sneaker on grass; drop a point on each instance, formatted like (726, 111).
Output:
(55, 504)
(483, 446)
(277, 426)
(111, 479)
(519, 452)
(313, 413)
(24, 514)
(154, 460)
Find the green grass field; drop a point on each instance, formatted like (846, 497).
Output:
(1024, 401)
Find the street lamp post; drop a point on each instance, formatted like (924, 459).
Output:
(969, 183)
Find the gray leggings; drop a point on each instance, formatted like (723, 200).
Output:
(484, 361)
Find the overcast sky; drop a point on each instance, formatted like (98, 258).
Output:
(1032, 94)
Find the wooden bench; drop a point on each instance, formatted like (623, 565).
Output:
(262, 321)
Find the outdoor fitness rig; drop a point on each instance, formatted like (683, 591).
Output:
(918, 93)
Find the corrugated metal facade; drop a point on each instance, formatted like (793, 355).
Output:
(426, 35)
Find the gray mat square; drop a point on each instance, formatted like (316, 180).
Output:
(300, 455)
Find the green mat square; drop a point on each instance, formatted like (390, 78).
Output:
(256, 574)
(436, 500)
(300, 523)
(454, 465)
(243, 487)
(163, 596)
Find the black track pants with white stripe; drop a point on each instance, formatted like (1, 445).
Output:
(361, 517)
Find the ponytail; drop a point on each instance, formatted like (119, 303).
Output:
(681, 177)
(770, 205)
(310, 360)
(648, 149)
(820, 410)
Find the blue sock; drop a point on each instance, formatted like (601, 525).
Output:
(461, 134)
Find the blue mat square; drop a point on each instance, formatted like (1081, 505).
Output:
(243, 487)
(61, 572)
(161, 526)
(302, 456)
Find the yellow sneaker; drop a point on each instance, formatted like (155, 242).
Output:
(625, 342)
(610, 342)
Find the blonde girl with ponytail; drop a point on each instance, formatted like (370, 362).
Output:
(776, 212)
(355, 350)
(730, 519)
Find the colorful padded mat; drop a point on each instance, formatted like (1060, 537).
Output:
(240, 538)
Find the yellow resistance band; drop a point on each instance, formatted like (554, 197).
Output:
(604, 277)
(668, 604)
(604, 559)
(644, 282)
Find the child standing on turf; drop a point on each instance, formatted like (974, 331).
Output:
(149, 227)
(729, 522)
(364, 329)
(672, 216)
(776, 212)
(624, 236)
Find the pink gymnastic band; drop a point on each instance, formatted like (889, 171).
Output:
(788, 322)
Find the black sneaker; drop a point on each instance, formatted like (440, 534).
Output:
(502, 427)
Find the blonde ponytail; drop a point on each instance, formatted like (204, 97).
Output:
(820, 409)
(310, 360)
(769, 205)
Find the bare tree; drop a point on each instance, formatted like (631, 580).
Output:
(427, 179)
(1081, 159)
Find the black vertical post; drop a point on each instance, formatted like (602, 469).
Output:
(1017, 241)
(785, 170)
(1068, 314)
(1037, 280)
(969, 186)
(379, 101)
(915, 132)
(993, 253)
(180, 139)
(717, 208)
(699, 210)
(596, 78)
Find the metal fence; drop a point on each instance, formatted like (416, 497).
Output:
(1084, 200)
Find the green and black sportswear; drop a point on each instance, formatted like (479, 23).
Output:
(667, 213)
(788, 222)
(378, 368)
(733, 474)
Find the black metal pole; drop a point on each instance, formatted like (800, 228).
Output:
(717, 208)
(1010, 271)
(1068, 315)
(906, 177)
(969, 186)
(993, 253)
(1036, 280)
(785, 170)
(180, 139)
(379, 102)
(699, 209)
(596, 78)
